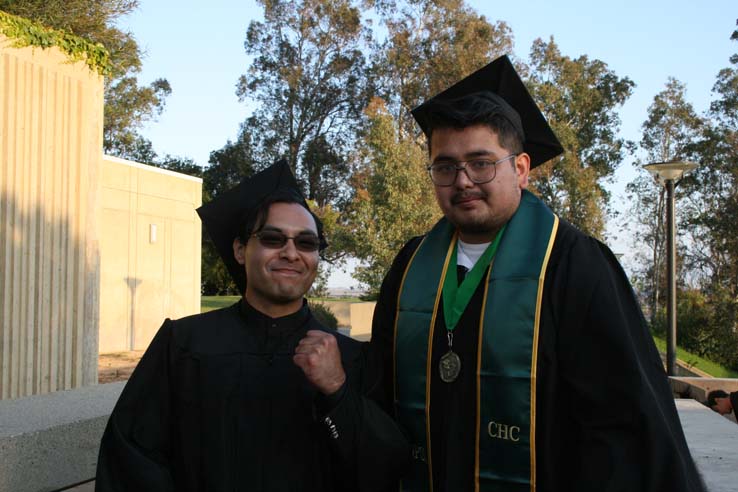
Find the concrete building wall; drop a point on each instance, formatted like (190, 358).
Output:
(150, 251)
(51, 120)
(362, 314)
(341, 310)
(357, 315)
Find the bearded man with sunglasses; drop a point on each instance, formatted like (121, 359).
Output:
(257, 396)
(515, 353)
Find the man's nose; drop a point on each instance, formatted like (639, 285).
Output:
(462, 179)
(289, 250)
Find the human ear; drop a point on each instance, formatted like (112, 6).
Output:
(239, 251)
(522, 169)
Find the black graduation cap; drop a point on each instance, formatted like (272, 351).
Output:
(501, 82)
(223, 216)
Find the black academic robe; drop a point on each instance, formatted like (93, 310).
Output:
(217, 404)
(605, 416)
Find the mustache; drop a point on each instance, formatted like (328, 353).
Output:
(465, 195)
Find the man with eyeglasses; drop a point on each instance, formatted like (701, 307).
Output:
(258, 396)
(516, 355)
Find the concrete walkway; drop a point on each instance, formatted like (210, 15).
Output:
(713, 442)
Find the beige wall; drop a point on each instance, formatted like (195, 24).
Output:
(341, 310)
(357, 315)
(150, 251)
(361, 318)
(51, 115)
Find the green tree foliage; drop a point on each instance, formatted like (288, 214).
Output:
(26, 32)
(127, 104)
(707, 211)
(324, 315)
(713, 213)
(579, 97)
(183, 165)
(672, 124)
(227, 167)
(394, 200)
(127, 107)
(669, 132)
(702, 326)
(307, 76)
(429, 46)
(324, 168)
(717, 183)
(310, 81)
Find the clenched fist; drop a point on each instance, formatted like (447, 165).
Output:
(318, 356)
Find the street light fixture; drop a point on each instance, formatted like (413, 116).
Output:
(667, 174)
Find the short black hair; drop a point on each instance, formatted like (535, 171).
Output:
(712, 395)
(478, 108)
(255, 219)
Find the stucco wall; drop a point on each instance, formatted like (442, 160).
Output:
(150, 251)
(51, 117)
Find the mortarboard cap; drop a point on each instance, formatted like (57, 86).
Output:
(224, 216)
(500, 82)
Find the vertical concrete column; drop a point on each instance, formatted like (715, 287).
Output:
(51, 114)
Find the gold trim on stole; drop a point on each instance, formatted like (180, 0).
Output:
(397, 316)
(479, 378)
(429, 359)
(534, 361)
(394, 333)
(534, 364)
(429, 355)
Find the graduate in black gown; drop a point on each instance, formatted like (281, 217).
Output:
(516, 355)
(257, 396)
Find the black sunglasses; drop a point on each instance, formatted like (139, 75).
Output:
(273, 239)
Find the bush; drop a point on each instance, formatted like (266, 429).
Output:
(324, 315)
(705, 326)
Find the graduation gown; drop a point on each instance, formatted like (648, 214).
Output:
(605, 417)
(217, 404)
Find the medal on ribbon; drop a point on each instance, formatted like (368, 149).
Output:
(455, 299)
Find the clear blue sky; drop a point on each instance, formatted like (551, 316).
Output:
(198, 47)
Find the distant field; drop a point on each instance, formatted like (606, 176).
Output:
(339, 299)
(710, 367)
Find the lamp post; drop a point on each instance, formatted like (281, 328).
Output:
(668, 174)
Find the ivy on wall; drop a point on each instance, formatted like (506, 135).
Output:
(25, 33)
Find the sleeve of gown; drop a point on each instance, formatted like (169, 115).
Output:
(627, 430)
(371, 447)
(134, 447)
(369, 439)
(383, 324)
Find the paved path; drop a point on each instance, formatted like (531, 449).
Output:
(713, 442)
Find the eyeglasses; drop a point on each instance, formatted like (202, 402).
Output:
(479, 170)
(275, 239)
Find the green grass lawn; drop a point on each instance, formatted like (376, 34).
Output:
(208, 303)
(711, 368)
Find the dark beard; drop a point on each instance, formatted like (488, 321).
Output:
(479, 228)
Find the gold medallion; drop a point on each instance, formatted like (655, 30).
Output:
(449, 366)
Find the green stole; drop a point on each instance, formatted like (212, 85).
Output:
(506, 360)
